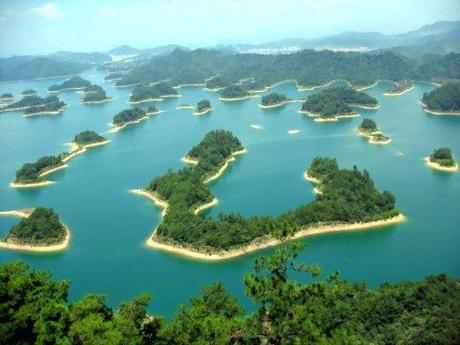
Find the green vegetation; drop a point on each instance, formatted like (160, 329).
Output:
(128, 115)
(256, 86)
(72, 83)
(445, 98)
(368, 126)
(349, 196)
(337, 101)
(152, 110)
(402, 86)
(30, 172)
(203, 105)
(88, 137)
(34, 309)
(6, 96)
(146, 92)
(28, 92)
(443, 156)
(273, 99)
(439, 67)
(42, 227)
(217, 83)
(114, 76)
(234, 91)
(94, 93)
(379, 138)
(35, 104)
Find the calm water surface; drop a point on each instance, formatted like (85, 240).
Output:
(109, 225)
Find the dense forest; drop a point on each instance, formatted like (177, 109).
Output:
(96, 94)
(30, 172)
(88, 137)
(42, 227)
(128, 115)
(234, 91)
(29, 92)
(72, 83)
(34, 309)
(368, 126)
(444, 98)
(37, 102)
(203, 105)
(336, 101)
(308, 67)
(401, 86)
(154, 92)
(273, 98)
(152, 110)
(443, 156)
(51, 106)
(349, 196)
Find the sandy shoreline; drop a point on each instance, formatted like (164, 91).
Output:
(76, 149)
(67, 89)
(379, 142)
(255, 126)
(207, 110)
(311, 88)
(203, 207)
(439, 167)
(435, 112)
(108, 99)
(367, 87)
(276, 105)
(216, 89)
(318, 117)
(394, 94)
(185, 107)
(189, 85)
(189, 160)
(116, 128)
(368, 107)
(225, 99)
(34, 248)
(53, 112)
(293, 131)
(146, 100)
(48, 172)
(224, 167)
(30, 185)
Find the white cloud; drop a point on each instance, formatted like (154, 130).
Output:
(48, 11)
(107, 11)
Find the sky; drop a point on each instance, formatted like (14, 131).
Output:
(41, 27)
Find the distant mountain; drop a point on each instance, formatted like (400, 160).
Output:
(91, 58)
(29, 67)
(124, 50)
(440, 37)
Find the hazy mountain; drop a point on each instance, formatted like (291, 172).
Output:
(129, 51)
(124, 50)
(91, 58)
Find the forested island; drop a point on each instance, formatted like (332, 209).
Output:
(335, 103)
(28, 92)
(88, 137)
(400, 88)
(444, 100)
(442, 159)
(152, 110)
(274, 100)
(31, 174)
(234, 93)
(369, 129)
(348, 201)
(126, 117)
(41, 230)
(203, 107)
(35, 105)
(6, 97)
(95, 95)
(337, 312)
(147, 93)
(75, 83)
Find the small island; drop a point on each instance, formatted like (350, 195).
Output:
(156, 92)
(203, 107)
(274, 100)
(400, 88)
(95, 95)
(75, 83)
(184, 106)
(28, 92)
(348, 200)
(30, 175)
(39, 230)
(127, 117)
(369, 129)
(6, 97)
(442, 160)
(35, 105)
(234, 93)
(152, 110)
(444, 100)
(336, 103)
(83, 141)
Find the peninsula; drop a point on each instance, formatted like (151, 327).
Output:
(39, 230)
(274, 100)
(234, 93)
(400, 88)
(127, 117)
(203, 107)
(336, 103)
(442, 159)
(182, 192)
(444, 100)
(75, 83)
(369, 129)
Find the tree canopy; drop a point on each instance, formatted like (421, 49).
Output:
(444, 98)
(443, 156)
(72, 83)
(128, 115)
(233, 91)
(273, 98)
(88, 137)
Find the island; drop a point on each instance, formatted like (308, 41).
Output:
(83, 141)
(39, 230)
(30, 175)
(75, 83)
(152, 110)
(95, 95)
(369, 129)
(234, 93)
(156, 92)
(184, 106)
(35, 105)
(6, 97)
(400, 88)
(202, 107)
(444, 100)
(127, 117)
(348, 201)
(336, 103)
(442, 159)
(28, 92)
(274, 100)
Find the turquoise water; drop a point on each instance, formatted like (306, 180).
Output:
(109, 225)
